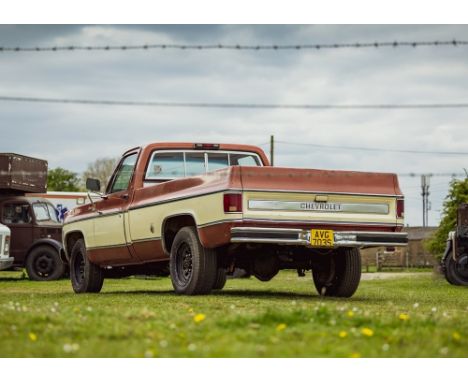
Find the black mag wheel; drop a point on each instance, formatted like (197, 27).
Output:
(44, 264)
(85, 276)
(184, 263)
(456, 271)
(192, 267)
(339, 273)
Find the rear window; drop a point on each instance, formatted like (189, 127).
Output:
(169, 165)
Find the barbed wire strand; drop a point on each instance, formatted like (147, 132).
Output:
(221, 105)
(251, 47)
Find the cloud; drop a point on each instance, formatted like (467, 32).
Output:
(72, 135)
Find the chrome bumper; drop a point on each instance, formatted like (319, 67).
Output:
(6, 262)
(291, 236)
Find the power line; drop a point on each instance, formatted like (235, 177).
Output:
(333, 147)
(221, 105)
(439, 174)
(251, 47)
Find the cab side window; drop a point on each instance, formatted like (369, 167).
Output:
(16, 213)
(122, 177)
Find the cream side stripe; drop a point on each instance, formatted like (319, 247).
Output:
(147, 222)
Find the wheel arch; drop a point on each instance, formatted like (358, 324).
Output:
(45, 242)
(69, 241)
(171, 225)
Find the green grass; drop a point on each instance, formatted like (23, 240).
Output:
(281, 318)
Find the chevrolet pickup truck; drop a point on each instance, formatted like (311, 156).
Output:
(203, 210)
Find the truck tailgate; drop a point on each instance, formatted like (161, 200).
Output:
(334, 197)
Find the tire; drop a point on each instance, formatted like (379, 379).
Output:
(339, 275)
(456, 272)
(193, 268)
(85, 276)
(44, 264)
(220, 280)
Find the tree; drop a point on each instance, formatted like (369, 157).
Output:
(458, 193)
(101, 169)
(59, 179)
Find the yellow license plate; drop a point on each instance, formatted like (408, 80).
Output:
(321, 238)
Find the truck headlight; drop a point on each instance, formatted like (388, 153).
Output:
(7, 245)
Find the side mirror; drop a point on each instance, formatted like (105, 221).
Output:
(93, 185)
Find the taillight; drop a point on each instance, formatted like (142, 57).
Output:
(232, 203)
(400, 208)
(7, 245)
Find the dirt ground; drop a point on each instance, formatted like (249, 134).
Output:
(387, 275)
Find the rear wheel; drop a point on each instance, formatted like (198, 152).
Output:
(220, 280)
(339, 274)
(44, 264)
(85, 276)
(193, 268)
(456, 271)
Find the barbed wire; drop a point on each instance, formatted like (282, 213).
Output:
(221, 105)
(251, 47)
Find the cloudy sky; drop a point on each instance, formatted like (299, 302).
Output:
(71, 136)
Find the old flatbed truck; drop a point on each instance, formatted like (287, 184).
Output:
(36, 232)
(206, 209)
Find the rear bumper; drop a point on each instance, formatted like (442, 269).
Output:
(6, 262)
(291, 236)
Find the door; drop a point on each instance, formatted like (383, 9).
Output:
(18, 217)
(110, 236)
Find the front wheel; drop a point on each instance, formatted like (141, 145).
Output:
(339, 274)
(456, 271)
(85, 276)
(193, 268)
(44, 264)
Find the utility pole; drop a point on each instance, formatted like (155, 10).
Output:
(425, 182)
(272, 149)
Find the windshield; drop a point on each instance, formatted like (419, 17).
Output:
(45, 212)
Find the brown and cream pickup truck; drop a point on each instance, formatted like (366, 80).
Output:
(204, 210)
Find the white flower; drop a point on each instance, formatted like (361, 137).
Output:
(444, 351)
(71, 348)
(434, 309)
(416, 305)
(192, 347)
(163, 343)
(385, 347)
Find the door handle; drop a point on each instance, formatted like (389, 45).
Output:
(124, 196)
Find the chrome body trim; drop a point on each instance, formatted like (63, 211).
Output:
(6, 262)
(279, 205)
(293, 236)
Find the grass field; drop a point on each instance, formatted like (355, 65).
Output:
(415, 315)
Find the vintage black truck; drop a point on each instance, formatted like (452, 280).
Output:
(35, 228)
(455, 259)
